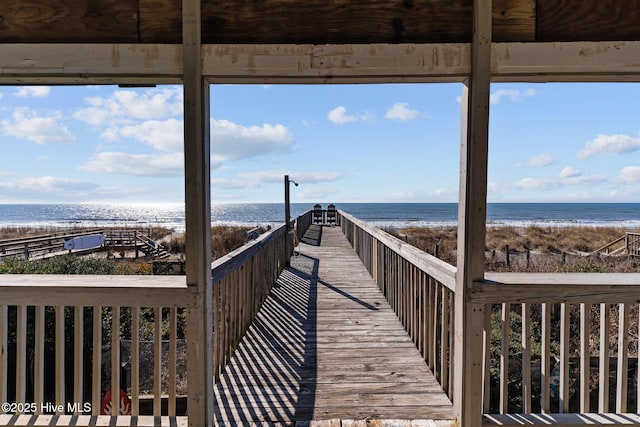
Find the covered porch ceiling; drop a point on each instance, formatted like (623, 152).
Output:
(316, 41)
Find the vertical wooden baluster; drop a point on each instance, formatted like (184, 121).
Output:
(504, 359)
(436, 328)
(3, 354)
(545, 364)
(216, 330)
(173, 350)
(135, 361)
(38, 367)
(60, 388)
(444, 334)
(433, 324)
(623, 358)
(78, 356)
(564, 357)
(21, 354)
(421, 314)
(526, 358)
(486, 398)
(115, 361)
(157, 362)
(603, 395)
(96, 386)
(452, 342)
(585, 356)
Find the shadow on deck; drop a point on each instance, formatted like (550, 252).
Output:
(327, 346)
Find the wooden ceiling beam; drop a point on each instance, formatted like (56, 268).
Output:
(376, 63)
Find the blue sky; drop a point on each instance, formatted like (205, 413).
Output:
(347, 143)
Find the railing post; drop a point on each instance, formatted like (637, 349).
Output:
(469, 318)
(287, 221)
(197, 220)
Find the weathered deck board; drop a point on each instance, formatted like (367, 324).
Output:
(327, 346)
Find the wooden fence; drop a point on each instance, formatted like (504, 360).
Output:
(419, 288)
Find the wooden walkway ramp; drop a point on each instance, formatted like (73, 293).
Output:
(327, 347)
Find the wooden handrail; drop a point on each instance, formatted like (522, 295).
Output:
(442, 271)
(608, 245)
(231, 261)
(557, 288)
(54, 289)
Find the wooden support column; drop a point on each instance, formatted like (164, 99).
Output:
(472, 210)
(198, 220)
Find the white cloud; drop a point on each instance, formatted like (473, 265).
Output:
(32, 91)
(586, 180)
(124, 106)
(514, 95)
(339, 116)
(28, 124)
(542, 160)
(162, 135)
(231, 141)
(228, 184)
(401, 111)
(276, 176)
(46, 188)
(314, 193)
(537, 184)
(171, 164)
(447, 192)
(609, 144)
(629, 175)
(569, 172)
(257, 179)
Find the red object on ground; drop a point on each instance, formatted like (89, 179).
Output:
(125, 404)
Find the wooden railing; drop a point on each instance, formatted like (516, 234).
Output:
(560, 343)
(242, 280)
(56, 330)
(303, 222)
(419, 288)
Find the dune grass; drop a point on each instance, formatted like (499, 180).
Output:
(547, 245)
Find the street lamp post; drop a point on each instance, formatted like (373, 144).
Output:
(287, 218)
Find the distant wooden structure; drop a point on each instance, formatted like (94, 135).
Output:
(628, 245)
(198, 42)
(52, 244)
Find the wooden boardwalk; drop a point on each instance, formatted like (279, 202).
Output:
(327, 346)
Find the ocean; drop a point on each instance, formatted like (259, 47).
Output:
(396, 215)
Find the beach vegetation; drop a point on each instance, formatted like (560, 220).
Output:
(70, 264)
(531, 249)
(224, 239)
